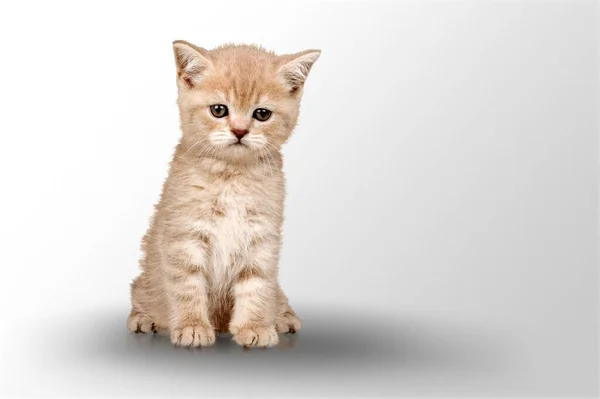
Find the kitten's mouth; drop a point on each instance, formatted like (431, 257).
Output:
(238, 144)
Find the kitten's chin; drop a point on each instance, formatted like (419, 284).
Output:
(238, 152)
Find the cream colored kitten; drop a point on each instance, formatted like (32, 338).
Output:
(211, 253)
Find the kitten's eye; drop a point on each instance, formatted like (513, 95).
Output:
(219, 110)
(261, 114)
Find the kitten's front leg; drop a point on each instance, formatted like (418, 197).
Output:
(187, 293)
(255, 296)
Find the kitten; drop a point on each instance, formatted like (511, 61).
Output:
(210, 256)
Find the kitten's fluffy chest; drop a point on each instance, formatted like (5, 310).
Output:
(234, 213)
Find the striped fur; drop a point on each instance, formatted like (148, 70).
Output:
(210, 255)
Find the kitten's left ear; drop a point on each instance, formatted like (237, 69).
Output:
(296, 67)
(192, 62)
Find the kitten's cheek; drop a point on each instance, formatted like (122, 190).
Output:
(280, 139)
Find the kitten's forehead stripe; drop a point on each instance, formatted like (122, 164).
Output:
(245, 73)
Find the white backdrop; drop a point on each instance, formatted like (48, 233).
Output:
(441, 223)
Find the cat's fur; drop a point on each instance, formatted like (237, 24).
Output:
(210, 256)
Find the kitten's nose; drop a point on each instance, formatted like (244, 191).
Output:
(239, 133)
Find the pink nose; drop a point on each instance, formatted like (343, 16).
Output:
(239, 133)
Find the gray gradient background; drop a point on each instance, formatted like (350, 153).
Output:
(441, 234)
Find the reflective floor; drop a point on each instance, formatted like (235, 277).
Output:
(337, 353)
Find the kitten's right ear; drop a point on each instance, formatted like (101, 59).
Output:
(297, 66)
(192, 62)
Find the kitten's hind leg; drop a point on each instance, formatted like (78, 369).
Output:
(286, 321)
(140, 323)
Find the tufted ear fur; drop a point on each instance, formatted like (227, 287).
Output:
(192, 63)
(296, 67)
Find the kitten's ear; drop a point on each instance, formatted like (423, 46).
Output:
(296, 67)
(191, 61)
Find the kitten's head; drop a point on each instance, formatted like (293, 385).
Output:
(238, 102)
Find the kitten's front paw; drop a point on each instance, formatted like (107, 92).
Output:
(193, 336)
(288, 323)
(256, 336)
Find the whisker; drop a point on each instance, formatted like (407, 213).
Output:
(268, 158)
(192, 146)
(202, 154)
